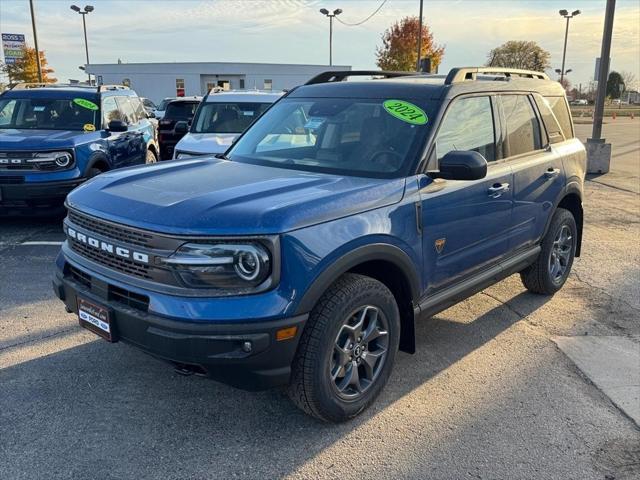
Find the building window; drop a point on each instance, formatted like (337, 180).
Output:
(179, 87)
(242, 84)
(268, 84)
(99, 79)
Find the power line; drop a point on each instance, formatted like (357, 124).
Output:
(365, 20)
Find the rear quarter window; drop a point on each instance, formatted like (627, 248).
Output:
(560, 109)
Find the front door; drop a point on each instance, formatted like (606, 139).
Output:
(466, 224)
(118, 142)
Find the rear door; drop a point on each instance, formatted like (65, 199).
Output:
(466, 223)
(536, 163)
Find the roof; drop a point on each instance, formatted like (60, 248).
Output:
(185, 99)
(243, 96)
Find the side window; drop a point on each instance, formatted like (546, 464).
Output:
(138, 108)
(549, 119)
(6, 112)
(523, 129)
(560, 109)
(110, 111)
(468, 125)
(127, 110)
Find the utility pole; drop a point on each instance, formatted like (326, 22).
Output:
(35, 40)
(599, 152)
(419, 37)
(87, 10)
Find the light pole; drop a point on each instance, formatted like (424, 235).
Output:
(329, 14)
(35, 40)
(419, 37)
(565, 14)
(87, 9)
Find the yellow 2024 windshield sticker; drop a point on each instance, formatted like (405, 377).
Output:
(405, 111)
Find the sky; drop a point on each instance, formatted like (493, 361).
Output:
(293, 31)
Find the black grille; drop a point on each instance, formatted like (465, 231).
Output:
(114, 232)
(132, 299)
(13, 179)
(80, 277)
(111, 261)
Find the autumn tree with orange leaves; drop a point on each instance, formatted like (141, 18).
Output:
(26, 69)
(399, 48)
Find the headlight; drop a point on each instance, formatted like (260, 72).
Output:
(48, 160)
(224, 265)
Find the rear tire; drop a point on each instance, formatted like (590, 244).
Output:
(551, 269)
(347, 349)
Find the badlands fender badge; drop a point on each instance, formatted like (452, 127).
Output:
(439, 244)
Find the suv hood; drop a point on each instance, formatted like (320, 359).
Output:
(205, 196)
(206, 142)
(29, 139)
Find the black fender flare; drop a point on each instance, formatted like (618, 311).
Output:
(572, 188)
(375, 251)
(96, 157)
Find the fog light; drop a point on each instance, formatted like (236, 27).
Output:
(247, 347)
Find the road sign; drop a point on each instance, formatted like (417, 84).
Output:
(13, 46)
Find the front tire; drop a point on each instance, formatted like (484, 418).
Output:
(552, 267)
(151, 157)
(347, 349)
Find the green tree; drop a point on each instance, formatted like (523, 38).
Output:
(26, 68)
(400, 45)
(526, 55)
(615, 85)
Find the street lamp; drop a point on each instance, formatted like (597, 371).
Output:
(565, 14)
(87, 9)
(329, 14)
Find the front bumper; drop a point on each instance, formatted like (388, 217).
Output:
(214, 349)
(40, 194)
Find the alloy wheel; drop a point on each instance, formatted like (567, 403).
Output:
(360, 351)
(560, 254)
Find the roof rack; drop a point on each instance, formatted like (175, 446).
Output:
(462, 74)
(339, 76)
(105, 88)
(99, 88)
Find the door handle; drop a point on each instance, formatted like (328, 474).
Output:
(497, 189)
(552, 172)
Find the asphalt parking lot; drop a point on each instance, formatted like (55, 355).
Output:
(488, 394)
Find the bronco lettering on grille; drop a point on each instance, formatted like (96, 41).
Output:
(108, 247)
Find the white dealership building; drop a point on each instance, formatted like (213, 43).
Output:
(159, 80)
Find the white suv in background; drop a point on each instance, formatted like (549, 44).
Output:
(220, 119)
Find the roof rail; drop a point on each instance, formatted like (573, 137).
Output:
(460, 74)
(339, 76)
(26, 85)
(105, 88)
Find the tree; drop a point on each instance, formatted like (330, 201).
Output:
(615, 85)
(526, 55)
(400, 45)
(26, 68)
(629, 80)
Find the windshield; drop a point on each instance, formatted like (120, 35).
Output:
(181, 110)
(226, 117)
(163, 104)
(360, 137)
(49, 114)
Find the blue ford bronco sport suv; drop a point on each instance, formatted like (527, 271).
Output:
(346, 211)
(54, 137)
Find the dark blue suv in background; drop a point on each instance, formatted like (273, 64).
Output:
(349, 209)
(54, 137)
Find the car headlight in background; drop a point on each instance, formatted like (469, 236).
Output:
(49, 160)
(225, 265)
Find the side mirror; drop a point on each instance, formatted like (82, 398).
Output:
(463, 165)
(151, 115)
(117, 126)
(181, 127)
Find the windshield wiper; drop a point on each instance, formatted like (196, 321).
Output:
(221, 156)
